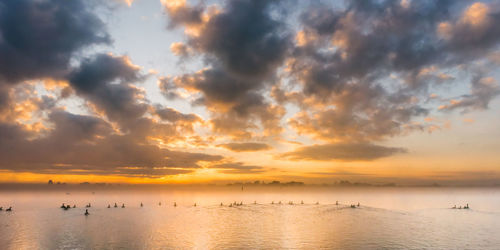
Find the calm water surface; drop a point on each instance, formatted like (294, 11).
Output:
(389, 218)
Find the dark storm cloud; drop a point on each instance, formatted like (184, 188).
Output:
(220, 88)
(245, 146)
(103, 69)
(4, 98)
(38, 38)
(245, 38)
(243, 45)
(322, 20)
(342, 152)
(107, 81)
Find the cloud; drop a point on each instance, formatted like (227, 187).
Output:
(245, 147)
(128, 2)
(87, 144)
(172, 115)
(180, 13)
(476, 29)
(359, 72)
(5, 101)
(122, 132)
(341, 152)
(184, 121)
(106, 81)
(168, 88)
(371, 38)
(243, 45)
(483, 90)
(180, 49)
(237, 168)
(336, 72)
(103, 69)
(39, 38)
(77, 128)
(245, 39)
(361, 112)
(354, 74)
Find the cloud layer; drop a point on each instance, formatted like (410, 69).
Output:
(341, 79)
(342, 152)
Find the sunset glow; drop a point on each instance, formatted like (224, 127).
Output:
(181, 92)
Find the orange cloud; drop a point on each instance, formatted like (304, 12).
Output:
(245, 146)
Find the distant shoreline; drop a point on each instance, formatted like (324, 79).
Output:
(231, 186)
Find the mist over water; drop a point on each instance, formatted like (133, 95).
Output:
(393, 218)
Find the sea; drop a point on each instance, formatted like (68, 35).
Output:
(274, 218)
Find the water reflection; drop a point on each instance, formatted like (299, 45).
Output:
(386, 219)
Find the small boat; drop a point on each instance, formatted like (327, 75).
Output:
(358, 204)
(123, 205)
(221, 204)
(142, 204)
(63, 206)
(353, 206)
(195, 204)
(302, 202)
(109, 206)
(175, 204)
(86, 212)
(9, 209)
(74, 206)
(1, 208)
(116, 205)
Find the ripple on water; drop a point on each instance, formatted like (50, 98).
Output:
(40, 224)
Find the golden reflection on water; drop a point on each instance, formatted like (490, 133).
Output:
(387, 218)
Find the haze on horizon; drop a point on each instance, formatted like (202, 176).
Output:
(151, 91)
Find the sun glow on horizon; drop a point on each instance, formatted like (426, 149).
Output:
(213, 92)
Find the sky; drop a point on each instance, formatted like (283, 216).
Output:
(175, 91)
